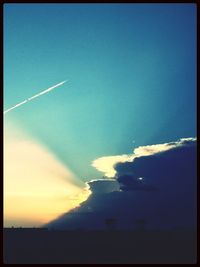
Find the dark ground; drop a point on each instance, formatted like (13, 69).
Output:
(90, 247)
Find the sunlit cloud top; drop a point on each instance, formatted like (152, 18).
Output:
(107, 164)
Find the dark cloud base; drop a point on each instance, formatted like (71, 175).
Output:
(165, 197)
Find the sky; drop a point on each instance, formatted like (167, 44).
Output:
(131, 81)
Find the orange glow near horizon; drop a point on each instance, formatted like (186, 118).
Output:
(37, 186)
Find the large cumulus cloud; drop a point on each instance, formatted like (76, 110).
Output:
(172, 168)
(156, 183)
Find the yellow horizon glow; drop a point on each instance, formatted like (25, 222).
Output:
(37, 186)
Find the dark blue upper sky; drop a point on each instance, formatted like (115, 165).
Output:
(131, 71)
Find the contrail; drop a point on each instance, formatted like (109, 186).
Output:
(32, 97)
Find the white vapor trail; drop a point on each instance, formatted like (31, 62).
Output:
(32, 97)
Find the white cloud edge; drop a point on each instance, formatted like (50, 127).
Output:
(106, 164)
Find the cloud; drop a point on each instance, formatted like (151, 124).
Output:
(160, 166)
(156, 183)
(129, 182)
(152, 149)
(101, 186)
(106, 164)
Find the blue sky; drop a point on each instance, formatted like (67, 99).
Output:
(131, 71)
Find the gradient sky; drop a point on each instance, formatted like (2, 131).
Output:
(131, 71)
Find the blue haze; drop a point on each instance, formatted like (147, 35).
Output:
(131, 71)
